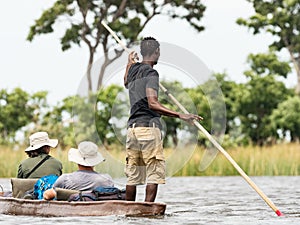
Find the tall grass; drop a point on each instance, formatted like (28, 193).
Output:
(277, 160)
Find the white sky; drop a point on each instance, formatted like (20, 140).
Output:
(41, 65)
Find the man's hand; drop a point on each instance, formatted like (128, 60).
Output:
(132, 57)
(190, 117)
(49, 194)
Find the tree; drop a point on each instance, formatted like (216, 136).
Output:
(57, 121)
(173, 126)
(95, 117)
(232, 93)
(210, 104)
(264, 64)
(286, 118)
(110, 112)
(281, 18)
(261, 95)
(18, 109)
(82, 19)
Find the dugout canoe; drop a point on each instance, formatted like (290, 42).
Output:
(28, 207)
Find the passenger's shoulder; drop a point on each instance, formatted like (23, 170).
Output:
(63, 176)
(54, 159)
(107, 176)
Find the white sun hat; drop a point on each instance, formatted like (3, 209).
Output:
(40, 139)
(87, 154)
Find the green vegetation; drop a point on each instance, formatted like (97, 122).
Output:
(254, 117)
(82, 19)
(260, 112)
(279, 160)
(280, 18)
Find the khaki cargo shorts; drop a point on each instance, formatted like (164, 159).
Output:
(145, 161)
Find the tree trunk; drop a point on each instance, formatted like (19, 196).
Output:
(88, 72)
(298, 77)
(107, 61)
(101, 74)
(296, 62)
(175, 138)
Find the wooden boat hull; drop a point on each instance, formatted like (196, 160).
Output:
(15, 206)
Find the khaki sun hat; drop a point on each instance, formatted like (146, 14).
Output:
(40, 139)
(87, 154)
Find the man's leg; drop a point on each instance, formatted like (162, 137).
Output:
(130, 192)
(151, 190)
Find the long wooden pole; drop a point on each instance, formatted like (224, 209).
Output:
(204, 131)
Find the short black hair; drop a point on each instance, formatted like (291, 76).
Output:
(37, 152)
(148, 46)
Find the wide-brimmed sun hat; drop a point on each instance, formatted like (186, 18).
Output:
(87, 154)
(40, 139)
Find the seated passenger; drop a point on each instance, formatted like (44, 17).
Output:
(85, 178)
(39, 163)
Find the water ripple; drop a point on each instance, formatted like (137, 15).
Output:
(201, 200)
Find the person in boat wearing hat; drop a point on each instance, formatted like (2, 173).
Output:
(145, 162)
(85, 178)
(40, 163)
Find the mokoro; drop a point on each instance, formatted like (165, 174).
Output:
(16, 206)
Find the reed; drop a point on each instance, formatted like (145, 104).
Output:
(277, 160)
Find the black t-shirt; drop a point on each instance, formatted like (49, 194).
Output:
(142, 76)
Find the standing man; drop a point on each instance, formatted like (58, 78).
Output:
(145, 162)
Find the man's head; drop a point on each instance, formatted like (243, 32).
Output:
(87, 154)
(40, 139)
(150, 49)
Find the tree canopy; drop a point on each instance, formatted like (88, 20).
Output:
(18, 109)
(280, 18)
(285, 118)
(82, 19)
(260, 111)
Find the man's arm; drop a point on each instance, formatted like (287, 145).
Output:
(156, 106)
(131, 60)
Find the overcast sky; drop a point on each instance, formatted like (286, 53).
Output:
(41, 65)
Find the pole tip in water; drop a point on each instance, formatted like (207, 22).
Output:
(279, 213)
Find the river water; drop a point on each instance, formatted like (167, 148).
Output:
(201, 200)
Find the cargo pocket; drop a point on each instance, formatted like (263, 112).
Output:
(130, 140)
(159, 152)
